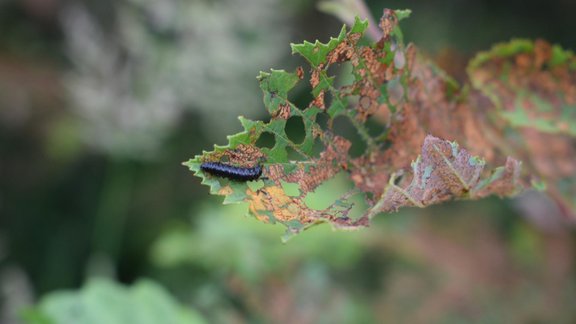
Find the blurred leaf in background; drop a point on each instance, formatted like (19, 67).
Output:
(461, 262)
(103, 301)
(252, 275)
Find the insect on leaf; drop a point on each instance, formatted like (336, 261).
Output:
(409, 158)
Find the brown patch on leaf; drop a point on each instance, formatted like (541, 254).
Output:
(315, 76)
(367, 64)
(342, 53)
(454, 62)
(273, 200)
(542, 53)
(507, 183)
(431, 108)
(535, 95)
(374, 66)
(388, 22)
(526, 81)
(434, 106)
(319, 100)
(224, 191)
(368, 105)
(243, 155)
(370, 174)
(406, 137)
(553, 155)
(410, 56)
(310, 175)
(443, 172)
(283, 111)
(300, 72)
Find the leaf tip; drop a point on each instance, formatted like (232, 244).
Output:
(402, 13)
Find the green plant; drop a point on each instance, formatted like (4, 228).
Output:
(103, 301)
(423, 138)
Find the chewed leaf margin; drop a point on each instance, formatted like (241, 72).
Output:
(379, 87)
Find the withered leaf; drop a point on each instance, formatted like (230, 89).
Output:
(413, 161)
(444, 171)
(532, 88)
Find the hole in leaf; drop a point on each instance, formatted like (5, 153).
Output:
(303, 95)
(323, 196)
(266, 139)
(327, 99)
(395, 91)
(318, 148)
(295, 129)
(343, 127)
(375, 126)
(345, 76)
(360, 205)
(322, 120)
(332, 69)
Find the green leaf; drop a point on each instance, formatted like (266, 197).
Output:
(403, 14)
(103, 301)
(315, 53)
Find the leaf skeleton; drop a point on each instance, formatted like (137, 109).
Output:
(232, 172)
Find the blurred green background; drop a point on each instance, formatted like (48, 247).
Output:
(101, 101)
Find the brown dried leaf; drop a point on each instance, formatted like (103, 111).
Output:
(444, 171)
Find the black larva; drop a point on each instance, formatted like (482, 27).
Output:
(232, 172)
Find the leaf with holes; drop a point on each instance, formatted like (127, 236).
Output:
(386, 100)
(532, 86)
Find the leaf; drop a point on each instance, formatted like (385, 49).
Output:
(443, 172)
(102, 301)
(417, 109)
(531, 83)
(532, 86)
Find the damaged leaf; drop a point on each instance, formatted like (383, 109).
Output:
(445, 171)
(532, 87)
(431, 145)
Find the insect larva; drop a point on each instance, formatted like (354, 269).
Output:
(232, 172)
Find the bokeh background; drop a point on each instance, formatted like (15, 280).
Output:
(101, 102)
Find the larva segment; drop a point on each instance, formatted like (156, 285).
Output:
(232, 172)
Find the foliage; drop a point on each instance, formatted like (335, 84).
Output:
(532, 87)
(247, 248)
(405, 268)
(433, 138)
(102, 301)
